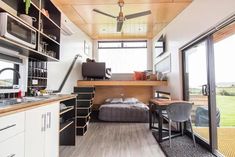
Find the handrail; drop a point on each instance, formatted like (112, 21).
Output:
(67, 74)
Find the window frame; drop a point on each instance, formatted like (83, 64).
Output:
(122, 44)
(125, 47)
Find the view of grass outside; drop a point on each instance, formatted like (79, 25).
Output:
(225, 100)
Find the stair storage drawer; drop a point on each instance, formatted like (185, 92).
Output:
(85, 95)
(81, 121)
(84, 89)
(81, 130)
(11, 125)
(84, 103)
(83, 111)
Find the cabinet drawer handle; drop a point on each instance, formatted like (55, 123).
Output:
(43, 122)
(49, 120)
(12, 155)
(42, 129)
(7, 127)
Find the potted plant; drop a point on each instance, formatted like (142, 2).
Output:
(25, 16)
(27, 6)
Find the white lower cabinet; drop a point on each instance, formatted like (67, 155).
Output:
(11, 125)
(13, 147)
(52, 132)
(42, 131)
(12, 135)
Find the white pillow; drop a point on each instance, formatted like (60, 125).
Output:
(114, 100)
(108, 100)
(130, 101)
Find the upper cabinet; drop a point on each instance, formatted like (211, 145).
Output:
(42, 18)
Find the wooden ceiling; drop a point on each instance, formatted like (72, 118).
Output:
(98, 26)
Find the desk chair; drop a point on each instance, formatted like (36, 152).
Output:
(180, 112)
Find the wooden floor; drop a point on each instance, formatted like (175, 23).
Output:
(226, 139)
(115, 140)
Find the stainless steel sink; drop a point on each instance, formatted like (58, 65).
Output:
(14, 101)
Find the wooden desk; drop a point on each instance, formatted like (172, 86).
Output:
(160, 105)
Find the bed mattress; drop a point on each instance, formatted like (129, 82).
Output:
(138, 112)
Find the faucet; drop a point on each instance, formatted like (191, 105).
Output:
(17, 73)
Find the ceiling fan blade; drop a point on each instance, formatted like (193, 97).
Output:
(103, 13)
(144, 13)
(119, 26)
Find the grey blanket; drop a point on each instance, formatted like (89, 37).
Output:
(124, 112)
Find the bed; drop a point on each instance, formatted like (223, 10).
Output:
(124, 111)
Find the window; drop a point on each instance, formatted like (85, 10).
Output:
(159, 46)
(7, 78)
(123, 56)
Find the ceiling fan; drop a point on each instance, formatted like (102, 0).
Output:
(121, 18)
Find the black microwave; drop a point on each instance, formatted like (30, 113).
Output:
(17, 31)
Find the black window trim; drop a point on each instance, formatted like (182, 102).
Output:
(122, 44)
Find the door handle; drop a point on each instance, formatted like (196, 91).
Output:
(205, 90)
(12, 155)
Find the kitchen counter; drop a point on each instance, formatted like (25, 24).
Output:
(10, 109)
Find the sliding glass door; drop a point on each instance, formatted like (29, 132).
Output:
(209, 82)
(196, 87)
(224, 52)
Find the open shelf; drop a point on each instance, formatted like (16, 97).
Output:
(49, 19)
(50, 28)
(82, 125)
(44, 26)
(84, 116)
(49, 38)
(65, 125)
(38, 77)
(36, 5)
(54, 13)
(66, 110)
(24, 50)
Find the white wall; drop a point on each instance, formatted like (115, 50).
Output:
(126, 76)
(196, 19)
(70, 46)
